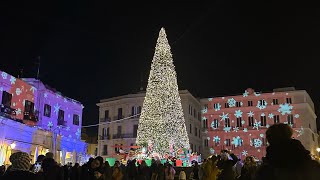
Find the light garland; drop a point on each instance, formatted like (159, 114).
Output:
(162, 121)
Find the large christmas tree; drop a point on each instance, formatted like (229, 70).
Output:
(162, 126)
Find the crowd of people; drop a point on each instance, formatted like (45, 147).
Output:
(286, 158)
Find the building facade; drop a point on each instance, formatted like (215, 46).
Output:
(238, 123)
(119, 119)
(37, 119)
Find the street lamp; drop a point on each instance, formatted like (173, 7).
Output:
(13, 145)
(318, 149)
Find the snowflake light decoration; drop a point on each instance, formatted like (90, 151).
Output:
(262, 135)
(224, 116)
(257, 94)
(56, 108)
(216, 139)
(208, 138)
(262, 105)
(297, 116)
(12, 80)
(256, 124)
(45, 95)
(68, 128)
(217, 107)
(245, 129)
(65, 100)
(300, 131)
(4, 75)
(236, 129)
(231, 102)
(203, 118)
(227, 129)
(212, 151)
(250, 114)
(258, 150)
(50, 124)
(18, 91)
(204, 110)
(236, 141)
(257, 143)
(238, 113)
(267, 126)
(18, 111)
(1, 88)
(245, 94)
(270, 116)
(32, 89)
(78, 133)
(285, 109)
(263, 114)
(209, 99)
(243, 122)
(244, 153)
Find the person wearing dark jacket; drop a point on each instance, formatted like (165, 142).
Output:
(20, 168)
(249, 169)
(51, 170)
(225, 164)
(286, 158)
(75, 172)
(132, 170)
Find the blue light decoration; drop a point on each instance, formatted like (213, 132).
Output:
(270, 116)
(238, 113)
(232, 102)
(224, 116)
(285, 108)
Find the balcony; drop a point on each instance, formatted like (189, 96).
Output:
(7, 111)
(132, 116)
(105, 119)
(105, 137)
(118, 117)
(62, 122)
(121, 136)
(30, 116)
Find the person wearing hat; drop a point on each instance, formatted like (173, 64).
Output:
(20, 166)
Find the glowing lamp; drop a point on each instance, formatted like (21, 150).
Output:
(318, 149)
(13, 145)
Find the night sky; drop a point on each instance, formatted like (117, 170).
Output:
(92, 50)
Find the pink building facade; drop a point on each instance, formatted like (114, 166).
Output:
(238, 123)
(38, 119)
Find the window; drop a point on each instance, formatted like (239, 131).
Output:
(199, 133)
(216, 106)
(228, 142)
(195, 131)
(199, 116)
(108, 133)
(28, 106)
(195, 147)
(263, 120)
(250, 103)
(116, 148)
(226, 105)
(275, 101)
(106, 113)
(204, 123)
(76, 119)
(263, 102)
(250, 121)
(189, 109)
(47, 110)
(190, 130)
(105, 150)
(119, 130)
(239, 122)
(135, 130)
(194, 113)
(288, 100)
(60, 116)
(238, 104)
(290, 119)
(191, 146)
(119, 113)
(206, 143)
(227, 122)
(216, 142)
(215, 123)
(6, 98)
(240, 142)
(139, 110)
(133, 111)
(312, 136)
(276, 119)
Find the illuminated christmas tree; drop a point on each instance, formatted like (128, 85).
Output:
(162, 125)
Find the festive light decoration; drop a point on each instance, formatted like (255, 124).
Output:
(162, 122)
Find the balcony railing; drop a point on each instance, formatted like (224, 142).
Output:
(118, 117)
(31, 116)
(132, 116)
(105, 119)
(62, 122)
(121, 136)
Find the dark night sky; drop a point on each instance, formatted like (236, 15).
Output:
(95, 49)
